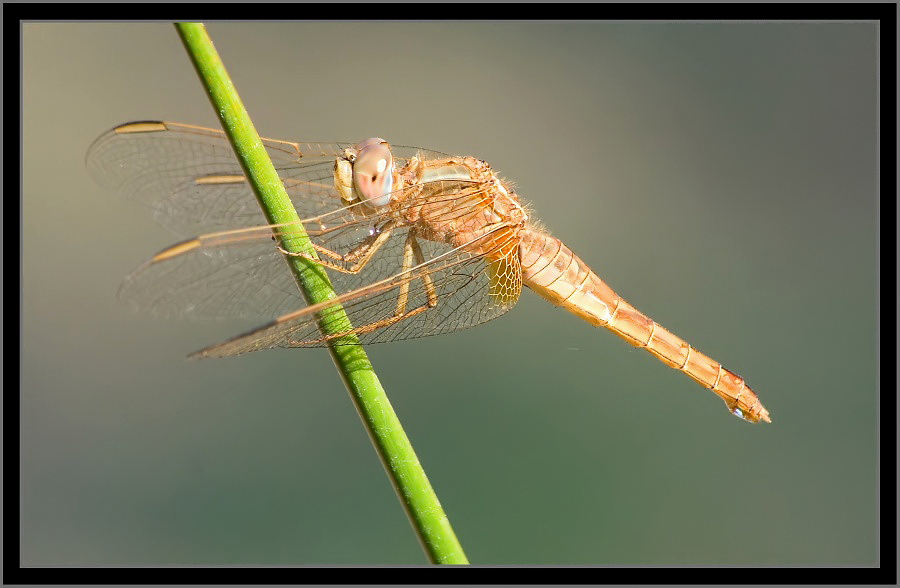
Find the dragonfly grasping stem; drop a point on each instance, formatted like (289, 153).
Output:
(391, 443)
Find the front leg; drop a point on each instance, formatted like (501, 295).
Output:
(412, 257)
(357, 258)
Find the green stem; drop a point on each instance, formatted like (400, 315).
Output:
(390, 441)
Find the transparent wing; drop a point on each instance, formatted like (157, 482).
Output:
(452, 290)
(190, 172)
(192, 180)
(247, 280)
(242, 272)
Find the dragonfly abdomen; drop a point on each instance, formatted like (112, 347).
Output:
(553, 271)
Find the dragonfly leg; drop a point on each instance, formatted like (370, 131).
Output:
(412, 256)
(356, 258)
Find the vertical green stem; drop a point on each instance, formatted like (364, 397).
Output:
(384, 428)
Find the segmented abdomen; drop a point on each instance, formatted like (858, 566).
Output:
(558, 275)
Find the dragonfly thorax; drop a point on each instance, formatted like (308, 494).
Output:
(458, 200)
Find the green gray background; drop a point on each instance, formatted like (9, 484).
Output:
(721, 177)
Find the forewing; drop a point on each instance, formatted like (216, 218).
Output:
(191, 179)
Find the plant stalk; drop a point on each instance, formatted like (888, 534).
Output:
(390, 441)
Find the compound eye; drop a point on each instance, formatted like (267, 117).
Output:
(373, 172)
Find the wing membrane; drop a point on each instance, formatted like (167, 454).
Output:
(173, 168)
(461, 280)
(241, 273)
(192, 180)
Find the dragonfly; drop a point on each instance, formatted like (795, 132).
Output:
(416, 243)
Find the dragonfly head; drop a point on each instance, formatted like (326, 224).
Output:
(372, 171)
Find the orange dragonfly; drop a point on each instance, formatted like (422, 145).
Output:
(416, 243)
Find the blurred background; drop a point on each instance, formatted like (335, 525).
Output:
(720, 177)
